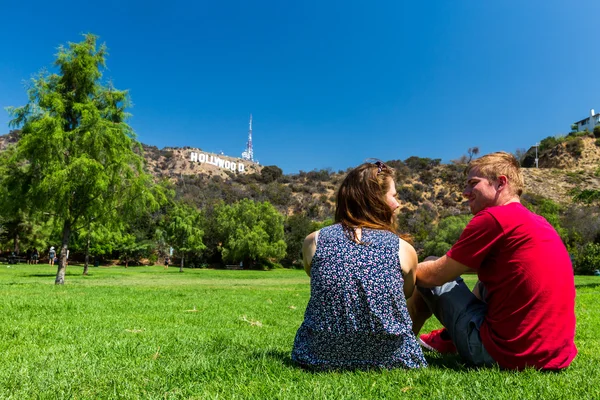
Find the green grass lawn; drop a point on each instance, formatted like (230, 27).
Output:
(146, 332)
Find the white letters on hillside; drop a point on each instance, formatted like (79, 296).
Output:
(217, 162)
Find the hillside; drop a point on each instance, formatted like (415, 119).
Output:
(423, 183)
(421, 180)
(173, 162)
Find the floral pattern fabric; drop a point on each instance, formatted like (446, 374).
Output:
(356, 316)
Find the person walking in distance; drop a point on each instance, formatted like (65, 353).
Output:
(51, 255)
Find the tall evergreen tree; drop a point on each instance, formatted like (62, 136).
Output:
(80, 157)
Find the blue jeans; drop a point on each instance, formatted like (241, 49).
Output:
(461, 313)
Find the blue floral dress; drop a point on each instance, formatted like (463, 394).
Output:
(356, 316)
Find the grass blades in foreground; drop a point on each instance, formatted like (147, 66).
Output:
(146, 332)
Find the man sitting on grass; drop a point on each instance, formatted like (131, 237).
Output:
(521, 312)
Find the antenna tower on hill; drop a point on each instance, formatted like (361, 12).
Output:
(249, 153)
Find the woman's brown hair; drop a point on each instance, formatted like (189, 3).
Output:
(361, 199)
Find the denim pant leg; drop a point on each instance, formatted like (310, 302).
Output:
(462, 314)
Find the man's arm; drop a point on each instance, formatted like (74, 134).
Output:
(437, 272)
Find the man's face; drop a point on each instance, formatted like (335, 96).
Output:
(480, 192)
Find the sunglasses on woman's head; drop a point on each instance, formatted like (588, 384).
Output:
(380, 166)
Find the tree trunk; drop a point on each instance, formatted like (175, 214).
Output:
(16, 243)
(181, 265)
(87, 254)
(62, 263)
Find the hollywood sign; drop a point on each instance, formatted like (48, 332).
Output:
(216, 161)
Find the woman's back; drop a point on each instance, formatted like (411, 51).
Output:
(357, 315)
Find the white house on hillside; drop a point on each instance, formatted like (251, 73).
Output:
(588, 123)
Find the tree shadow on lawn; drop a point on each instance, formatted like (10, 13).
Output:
(439, 361)
(51, 274)
(587, 285)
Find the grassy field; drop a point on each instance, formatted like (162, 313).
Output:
(146, 332)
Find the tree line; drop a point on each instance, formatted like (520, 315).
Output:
(76, 178)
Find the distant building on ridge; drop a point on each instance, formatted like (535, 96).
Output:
(588, 123)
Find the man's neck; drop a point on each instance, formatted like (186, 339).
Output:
(509, 200)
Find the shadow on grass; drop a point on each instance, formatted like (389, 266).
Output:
(53, 274)
(452, 362)
(439, 361)
(284, 357)
(587, 285)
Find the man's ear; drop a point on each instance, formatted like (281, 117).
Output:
(502, 181)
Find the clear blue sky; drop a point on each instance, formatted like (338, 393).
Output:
(329, 84)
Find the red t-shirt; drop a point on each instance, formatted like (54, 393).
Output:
(527, 272)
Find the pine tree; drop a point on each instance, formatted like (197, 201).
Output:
(81, 158)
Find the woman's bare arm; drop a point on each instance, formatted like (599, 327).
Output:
(308, 250)
(408, 263)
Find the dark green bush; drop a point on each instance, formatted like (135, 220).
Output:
(550, 142)
(421, 163)
(588, 259)
(318, 176)
(270, 173)
(408, 194)
(268, 264)
(586, 196)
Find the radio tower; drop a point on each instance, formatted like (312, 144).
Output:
(249, 153)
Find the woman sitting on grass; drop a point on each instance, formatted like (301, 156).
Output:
(361, 273)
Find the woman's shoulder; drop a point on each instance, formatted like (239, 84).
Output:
(330, 230)
(311, 238)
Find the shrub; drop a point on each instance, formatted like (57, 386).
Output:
(586, 196)
(267, 265)
(550, 142)
(427, 177)
(409, 195)
(318, 176)
(277, 193)
(575, 147)
(588, 259)
(152, 259)
(448, 202)
(445, 234)
(270, 173)
(597, 131)
(421, 163)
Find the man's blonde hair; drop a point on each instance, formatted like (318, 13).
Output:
(493, 165)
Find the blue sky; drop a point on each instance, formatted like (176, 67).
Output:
(329, 84)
